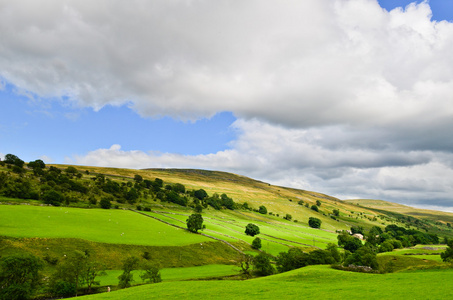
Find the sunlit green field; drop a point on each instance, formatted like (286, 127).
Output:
(99, 225)
(174, 274)
(276, 237)
(311, 282)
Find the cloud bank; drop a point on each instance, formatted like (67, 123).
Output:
(341, 96)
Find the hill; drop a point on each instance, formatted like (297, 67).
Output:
(111, 214)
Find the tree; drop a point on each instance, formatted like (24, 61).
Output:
(314, 207)
(357, 229)
(336, 212)
(447, 255)
(19, 276)
(151, 274)
(364, 256)
(227, 201)
(252, 229)
(314, 222)
(200, 194)
(256, 244)
(194, 222)
(293, 259)
(288, 217)
(262, 210)
(53, 197)
(353, 244)
(138, 178)
(37, 166)
(74, 271)
(318, 203)
(126, 278)
(245, 262)
(105, 203)
(179, 188)
(14, 160)
(71, 170)
(262, 265)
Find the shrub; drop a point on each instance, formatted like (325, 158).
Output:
(252, 229)
(314, 222)
(256, 244)
(315, 208)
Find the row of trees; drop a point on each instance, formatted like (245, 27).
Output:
(56, 187)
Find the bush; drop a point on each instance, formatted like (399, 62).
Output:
(262, 265)
(252, 229)
(105, 203)
(314, 222)
(53, 197)
(315, 208)
(262, 210)
(194, 222)
(364, 256)
(256, 244)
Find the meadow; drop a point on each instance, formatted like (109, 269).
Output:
(99, 225)
(319, 282)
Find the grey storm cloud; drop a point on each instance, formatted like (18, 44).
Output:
(340, 96)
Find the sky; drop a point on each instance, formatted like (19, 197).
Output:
(351, 98)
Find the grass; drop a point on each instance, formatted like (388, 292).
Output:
(321, 282)
(175, 274)
(106, 226)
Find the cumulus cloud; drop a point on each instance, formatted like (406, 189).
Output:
(300, 158)
(340, 96)
(297, 63)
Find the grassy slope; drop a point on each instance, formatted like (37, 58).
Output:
(404, 209)
(309, 282)
(98, 225)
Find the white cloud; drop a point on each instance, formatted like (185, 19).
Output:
(298, 63)
(299, 158)
(339, 96)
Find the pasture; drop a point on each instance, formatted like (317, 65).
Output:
(98, 225)
(319, 282)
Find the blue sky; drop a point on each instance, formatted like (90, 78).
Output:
(339, 97)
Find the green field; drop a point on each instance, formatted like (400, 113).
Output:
(99, 225)
(320, 282)
(175, 274)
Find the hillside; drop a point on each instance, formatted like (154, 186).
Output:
(111, 214)
(428, 214)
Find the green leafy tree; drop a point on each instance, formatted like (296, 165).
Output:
(314, 222)
(19, 276)
(252, 229)
(53, 197)
(14, 160)
(77, 269)
(256, 244)
(318, 203)
(288, 217)
(447, 255)
(126, 278)
(364, 256)
(314, 207)
(262, 265)
(334, 252)
(262, 210)
(200, 194)
(138, 178)
(336, 212)
(245, 263)
(105, 202)
(179, 188)
(227, 201)
(194, 222)
(151, 274)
